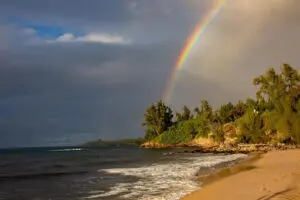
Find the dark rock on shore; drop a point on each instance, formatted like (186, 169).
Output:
(239, 148)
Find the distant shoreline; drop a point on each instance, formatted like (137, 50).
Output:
(121, 142)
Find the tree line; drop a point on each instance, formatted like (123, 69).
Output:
(272, 116)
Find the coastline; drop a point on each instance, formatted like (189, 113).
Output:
(275, 175)
(227, 169)
(221, 148)
(207, 175)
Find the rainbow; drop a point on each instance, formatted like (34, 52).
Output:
(190, 43)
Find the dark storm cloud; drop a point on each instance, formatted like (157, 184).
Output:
(63, 94)
(68, 93)
(142, 20)
(75, 10)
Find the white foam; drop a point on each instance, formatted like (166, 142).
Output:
(96, 191)
(163, 181)
(71, 149)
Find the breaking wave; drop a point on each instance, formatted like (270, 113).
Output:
(70, 149)
(163, 181)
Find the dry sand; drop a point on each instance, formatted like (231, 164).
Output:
(276, 176)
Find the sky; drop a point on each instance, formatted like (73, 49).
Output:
(73, 71)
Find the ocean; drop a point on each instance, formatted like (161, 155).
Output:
(106, 173)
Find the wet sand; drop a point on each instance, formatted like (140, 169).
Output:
(276, 176)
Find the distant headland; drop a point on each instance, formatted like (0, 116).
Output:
(121, 142)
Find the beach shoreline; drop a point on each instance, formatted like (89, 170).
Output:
(272, 175)
(226, 169)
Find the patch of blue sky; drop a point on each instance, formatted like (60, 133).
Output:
(45, 31)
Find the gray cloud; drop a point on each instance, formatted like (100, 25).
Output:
(69, 93)
(142, 21)
(61, 11)
(244, 39)
(99, 91)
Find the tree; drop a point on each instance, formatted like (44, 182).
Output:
(272, 86)
(226, 113)
(282, 92)
(239, 110)
(204, 117)
(205, 110)
(251, 127)
(197, 111)
(218, 133)
(185, 115)
(274, 116)
(157, 119)
(179, 133)
(205, 107)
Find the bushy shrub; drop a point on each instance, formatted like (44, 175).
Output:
(202, 125)
(296, 128)
(218, 134)
(285, 120)
(174, 135)
(251, 128)
(190, 127)
(226, 113)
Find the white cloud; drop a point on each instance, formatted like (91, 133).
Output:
(67, 37)
(102, 38)
(91, 37)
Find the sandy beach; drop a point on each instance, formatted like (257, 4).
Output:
(276, 176)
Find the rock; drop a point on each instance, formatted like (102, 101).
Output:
(205, 145)
(152, 144)
(230, 133)
(204, 142)
(229, 130)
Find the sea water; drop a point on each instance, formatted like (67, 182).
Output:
(110, 173)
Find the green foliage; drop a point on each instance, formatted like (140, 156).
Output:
(121, 142)
(185, 115)
(295, 120)
(239, 110)
(202, 124)
(274, 116)
(251, 125)
(285, 119)
(149, 134)
(157, 119)
(204, 116)
(181, 133)
(281, 94)
(190, 127)
(226, 113)
(218, 134)
(206, 109)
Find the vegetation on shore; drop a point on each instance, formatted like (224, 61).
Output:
(121, 142)
(272, 117)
